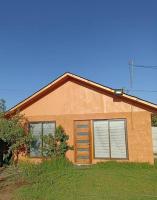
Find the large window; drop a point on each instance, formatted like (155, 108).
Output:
(38, 130)
(110, 139)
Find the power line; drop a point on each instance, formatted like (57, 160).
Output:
(146, 67)
(131, 64)
(131, 70)
(149, 91)
(15, 90)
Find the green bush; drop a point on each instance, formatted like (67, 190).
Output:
(57, 145)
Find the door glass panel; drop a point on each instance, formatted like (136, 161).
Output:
(82, 141)
(83, 149)
(82, 126)
(83, 134)
(83, 157)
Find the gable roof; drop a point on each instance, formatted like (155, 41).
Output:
(69, 76)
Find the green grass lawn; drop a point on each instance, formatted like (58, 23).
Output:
(61, 180)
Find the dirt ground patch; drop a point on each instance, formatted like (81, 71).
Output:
(8, 183)
(7, 192)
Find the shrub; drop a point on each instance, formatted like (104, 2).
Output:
(57, 145)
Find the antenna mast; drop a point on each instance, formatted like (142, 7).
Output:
(131, 65)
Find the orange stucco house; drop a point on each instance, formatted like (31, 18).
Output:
(101, 124)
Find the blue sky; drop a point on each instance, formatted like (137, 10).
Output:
(40, 40)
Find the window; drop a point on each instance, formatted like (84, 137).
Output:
(39, 129)
(110, 139)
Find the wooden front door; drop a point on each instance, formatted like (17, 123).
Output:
(82, 142)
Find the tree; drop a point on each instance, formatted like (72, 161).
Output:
(1, 152)
(154, 120)
(2, 110)
(2, 105)
(14, 133)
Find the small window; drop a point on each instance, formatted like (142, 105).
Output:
(38, 130)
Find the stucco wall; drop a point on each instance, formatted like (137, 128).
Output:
(72, 98)
(75, 102)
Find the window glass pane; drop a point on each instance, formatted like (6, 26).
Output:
(48, 128)
(36, 130)
(117, 139)
(101, 139)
